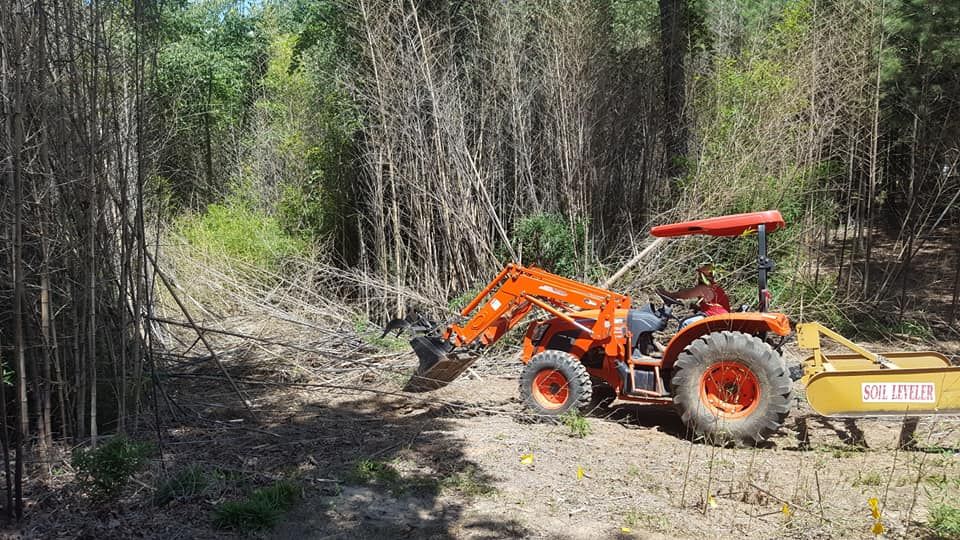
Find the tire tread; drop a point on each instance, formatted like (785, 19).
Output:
(561, 361)
(750, 350)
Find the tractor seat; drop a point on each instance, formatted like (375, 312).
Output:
(643, 320)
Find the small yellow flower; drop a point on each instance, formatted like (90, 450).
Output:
(580, 472)
(526, 459)
(786, 510)
(878, 528)
(874, 507)
(625, 530)
(711, 501)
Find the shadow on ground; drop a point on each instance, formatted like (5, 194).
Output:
(402, 475)
(647, 416)
(371, 465)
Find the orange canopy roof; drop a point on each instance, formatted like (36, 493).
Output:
(733, 225)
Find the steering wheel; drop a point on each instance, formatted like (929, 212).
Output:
(667, 299)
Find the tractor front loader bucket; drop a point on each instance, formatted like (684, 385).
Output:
(439, 365)
(869, 384)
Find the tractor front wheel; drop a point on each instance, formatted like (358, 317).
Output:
(554, 382)
(731, 387)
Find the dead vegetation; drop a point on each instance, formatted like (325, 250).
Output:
(318, 409)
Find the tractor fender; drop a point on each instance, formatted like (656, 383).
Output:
(747, 322)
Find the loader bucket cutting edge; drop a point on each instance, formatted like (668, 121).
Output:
(878, 392)
(438, 365)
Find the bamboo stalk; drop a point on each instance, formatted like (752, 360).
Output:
(632, 262)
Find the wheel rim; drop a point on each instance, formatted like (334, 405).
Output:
(729, 390)
(550, 389)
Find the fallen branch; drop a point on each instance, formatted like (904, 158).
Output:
(200, 335)
(632, 262)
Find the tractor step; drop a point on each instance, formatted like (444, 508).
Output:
(641, 382)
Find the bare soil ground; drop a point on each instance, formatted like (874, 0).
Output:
(641, 477)
(459, 456)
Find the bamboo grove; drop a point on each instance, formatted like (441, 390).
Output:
(76, 283)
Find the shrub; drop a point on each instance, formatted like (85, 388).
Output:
(301, 210)
(550, 242)
(242, 232)
(945, 521)
(261, 510)
(189, 481)
(460, 301)
(104, 470)
(578, 425)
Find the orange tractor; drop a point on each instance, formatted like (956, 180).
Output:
(723, 373)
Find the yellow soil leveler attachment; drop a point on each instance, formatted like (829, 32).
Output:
(863, 383)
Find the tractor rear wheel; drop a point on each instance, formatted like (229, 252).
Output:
(731, 387)
(554, 382)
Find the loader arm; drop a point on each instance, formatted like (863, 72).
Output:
(499, 307)
(507, 299)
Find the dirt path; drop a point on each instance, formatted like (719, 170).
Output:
(460, 474)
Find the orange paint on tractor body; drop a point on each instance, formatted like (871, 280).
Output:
(591, 323)
(601, 355)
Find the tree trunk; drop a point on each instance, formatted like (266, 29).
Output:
(956, 285)
(674, 34)
(207, 143)
(16, 141)
(9, 68)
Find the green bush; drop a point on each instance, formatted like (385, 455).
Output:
(460, 301)
(914, 328)
(105, 470)
(187, 482)
(578, 425)
(551, 242)
(945, 521)
(239, 231)
(370, 471)
(261, 510)
(301, 210)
